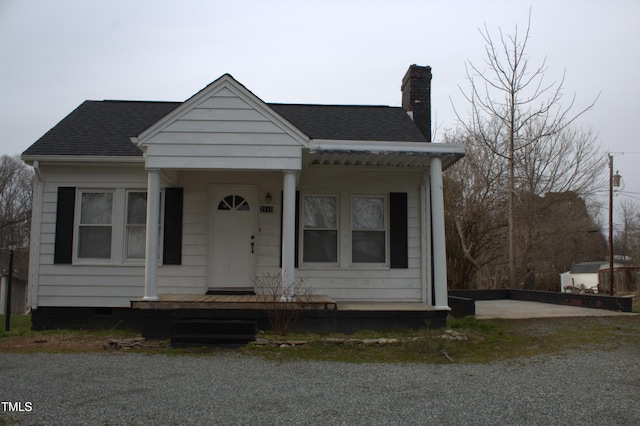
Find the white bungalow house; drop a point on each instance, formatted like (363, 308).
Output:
(142, 199)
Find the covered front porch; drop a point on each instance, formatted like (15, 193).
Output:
(224, 243)
(356, 215)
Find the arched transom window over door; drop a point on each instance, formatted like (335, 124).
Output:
(233, 202)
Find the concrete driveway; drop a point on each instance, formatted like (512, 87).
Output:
(516, 309)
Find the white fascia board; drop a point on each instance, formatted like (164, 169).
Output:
(381, 147)
(83, 159)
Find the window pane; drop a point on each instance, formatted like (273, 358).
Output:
(137, 208)
(233, 202)
(368, 213)
(241, 204)
(96, 208)
(368, 247)
(320, 246)
(94, 242)
(136, 241)
(320, 212)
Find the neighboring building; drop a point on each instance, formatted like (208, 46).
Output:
(625, 279)
(583, 276)
(19, 304)
(136, 199)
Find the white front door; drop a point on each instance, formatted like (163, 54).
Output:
(232, 235)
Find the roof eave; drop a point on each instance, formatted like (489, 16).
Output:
(382, 153)
(84, 159)
(425, 148)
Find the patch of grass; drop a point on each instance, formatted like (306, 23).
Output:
(20, 325)
(487, 341)
(635, 304)
(21, 338)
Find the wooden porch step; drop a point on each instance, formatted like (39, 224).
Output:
(212, 332)
(215, 326)
(210, 340)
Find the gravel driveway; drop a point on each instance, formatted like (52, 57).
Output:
(596, 388)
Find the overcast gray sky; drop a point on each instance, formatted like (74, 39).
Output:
(56, 54)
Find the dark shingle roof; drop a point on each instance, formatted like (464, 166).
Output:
(586, 267)
(103, 128)
(351, 122)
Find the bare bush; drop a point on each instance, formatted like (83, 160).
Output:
(283, 302)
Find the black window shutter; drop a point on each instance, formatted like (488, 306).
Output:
(297, 231)
(172, 249)
(297, 225)
(399, 252)
(63, 251)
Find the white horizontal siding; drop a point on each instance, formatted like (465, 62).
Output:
(219, 114)
(222, 150)
(113, 301)
(231, 138)
(116, 284)
(67, 285)
(224, 100)
(208, 126)
(225, 163)
(355, 283)
(223, 131)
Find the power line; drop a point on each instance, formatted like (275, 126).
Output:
(625, 152)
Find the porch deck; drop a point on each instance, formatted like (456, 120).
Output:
(259, 302)
(226, 301)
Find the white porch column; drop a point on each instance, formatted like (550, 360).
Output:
(288, 232)
(151, 247)
(437, 233)
(36, 232)
(425, 240)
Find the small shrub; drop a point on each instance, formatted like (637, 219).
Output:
(283, 302)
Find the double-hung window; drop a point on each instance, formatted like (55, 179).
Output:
(368, 229)
(95, 225)
(320, 229)
(136, 224)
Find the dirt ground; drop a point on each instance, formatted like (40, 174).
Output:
(73, 342)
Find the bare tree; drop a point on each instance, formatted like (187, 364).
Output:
(15, 207)
(516, 113)
(626, 243)
(474, 204)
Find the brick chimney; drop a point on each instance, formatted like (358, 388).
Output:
(416, 97)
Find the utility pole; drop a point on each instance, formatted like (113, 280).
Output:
(7, 320)
(613, 180)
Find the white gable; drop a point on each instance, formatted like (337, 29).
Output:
(224, 126)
